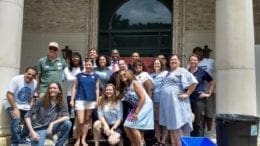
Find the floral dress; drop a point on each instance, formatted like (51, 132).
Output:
(145, 119)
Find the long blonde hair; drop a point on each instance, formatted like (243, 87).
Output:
(103, 98)
(120, 85)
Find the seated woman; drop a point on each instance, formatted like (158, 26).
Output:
(110, 114)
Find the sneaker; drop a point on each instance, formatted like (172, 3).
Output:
(71, 140)
(25, 141)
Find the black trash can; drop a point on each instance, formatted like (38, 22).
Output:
(236, 130)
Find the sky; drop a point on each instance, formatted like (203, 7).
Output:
(144, 11)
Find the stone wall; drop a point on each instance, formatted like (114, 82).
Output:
(199, 26)
(64, 21)
(200, 15)
(55, 16)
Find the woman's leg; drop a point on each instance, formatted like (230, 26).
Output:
(164, 134)
(129, 135)
(157, 128)
(85, 127)
(97, 131)
(175, 136)
(142, 137)
(79, 126)
(136, 136)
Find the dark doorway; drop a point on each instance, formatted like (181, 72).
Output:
(144, 26)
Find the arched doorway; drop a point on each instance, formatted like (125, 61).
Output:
(132, 25)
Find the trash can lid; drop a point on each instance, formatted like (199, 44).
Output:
(237, 117)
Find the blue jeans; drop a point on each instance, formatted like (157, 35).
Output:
(62, 129)
(17, 134)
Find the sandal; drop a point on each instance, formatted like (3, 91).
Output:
(158, 143)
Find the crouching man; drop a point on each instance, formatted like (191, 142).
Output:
(49, 115)
(19, 93)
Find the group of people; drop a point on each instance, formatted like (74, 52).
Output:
(114, 97)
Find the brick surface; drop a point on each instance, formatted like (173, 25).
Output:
(200, 15)
(55, 15)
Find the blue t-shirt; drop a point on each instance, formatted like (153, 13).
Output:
(86, 86)
(104, 75)
(201, 75)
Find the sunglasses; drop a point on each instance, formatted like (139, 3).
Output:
(53, 49)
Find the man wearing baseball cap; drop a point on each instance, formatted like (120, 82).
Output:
(50, 68)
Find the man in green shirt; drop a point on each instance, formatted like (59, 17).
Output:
(50, 68)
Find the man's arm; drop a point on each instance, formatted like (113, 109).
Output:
(11, 100)
(59, 120)
(34, 135)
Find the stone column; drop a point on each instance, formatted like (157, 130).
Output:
(92, 24)
(11, 20)
(235, 57)
(178, 26)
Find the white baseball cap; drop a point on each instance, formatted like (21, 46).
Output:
(54, 44)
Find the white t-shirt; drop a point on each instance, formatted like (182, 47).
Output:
(142, 77)
(208, 65)
(22, 92)
(70, 76)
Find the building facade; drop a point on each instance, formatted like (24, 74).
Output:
(230, 27)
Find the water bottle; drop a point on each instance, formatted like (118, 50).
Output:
(72, 113)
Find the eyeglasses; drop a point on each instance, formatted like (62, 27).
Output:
(53, 49)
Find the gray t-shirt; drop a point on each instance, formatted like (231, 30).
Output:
(42, 116)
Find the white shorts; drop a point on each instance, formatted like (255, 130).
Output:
(83, 105)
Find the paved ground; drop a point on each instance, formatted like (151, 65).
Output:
(211, 136)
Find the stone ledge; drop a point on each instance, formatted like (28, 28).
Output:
(4, 141)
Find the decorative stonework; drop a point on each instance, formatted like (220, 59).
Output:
(178, 25)
(92, 24)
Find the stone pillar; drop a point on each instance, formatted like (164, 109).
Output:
(178, 26)
(92, 24)
(11, 20)
(235, 57)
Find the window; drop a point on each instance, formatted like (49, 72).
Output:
(144, 26)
